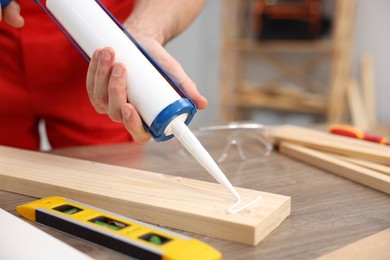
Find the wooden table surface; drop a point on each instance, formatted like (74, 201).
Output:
(328, 212)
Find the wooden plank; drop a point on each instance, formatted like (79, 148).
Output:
(292, 46)
(362, 175)
(370, 165)
(375, 247)
(357, 107)
(343, 29)
(333, 143)
(176, 202)
(368, 83)
(258, 98)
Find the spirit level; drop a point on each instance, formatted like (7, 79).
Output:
(128, 236)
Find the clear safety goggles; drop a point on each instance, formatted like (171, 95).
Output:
(233, 142)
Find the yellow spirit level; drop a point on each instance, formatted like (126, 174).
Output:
(128, 236)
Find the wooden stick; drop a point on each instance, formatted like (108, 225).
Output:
(370, 165)
(373, 179)
(186, 204)
(341, 145)
(357, 106)
(341, 60)
(368, 84)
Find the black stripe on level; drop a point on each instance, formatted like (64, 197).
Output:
(83, 232)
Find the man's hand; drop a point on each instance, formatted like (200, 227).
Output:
(11, 14)
(106, 85)
(152, 24)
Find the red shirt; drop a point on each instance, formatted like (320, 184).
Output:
(42, 76)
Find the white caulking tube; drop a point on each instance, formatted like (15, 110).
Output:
(151, 91)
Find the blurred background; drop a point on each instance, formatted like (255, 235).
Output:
(290, 61)
(302, 62)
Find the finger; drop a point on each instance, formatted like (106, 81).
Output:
(11, 15)
(117, 95)
(90, 81)
(133, 123)
(102, 77)
(177, 73)
(189, 87)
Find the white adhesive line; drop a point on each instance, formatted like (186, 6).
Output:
(232, 209)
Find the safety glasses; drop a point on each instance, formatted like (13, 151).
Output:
(234, 142)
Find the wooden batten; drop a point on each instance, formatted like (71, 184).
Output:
(176, 202)
(369, 165)
(374, 179)
(341, 145)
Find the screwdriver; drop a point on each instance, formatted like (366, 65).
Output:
(353, 132)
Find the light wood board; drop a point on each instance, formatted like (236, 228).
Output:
(370, 165)
(182, 203)
(362, 175)
(373, 247)
(341, 145)
(367, 72)
(357, 107)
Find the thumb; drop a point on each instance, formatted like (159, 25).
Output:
(11, 15)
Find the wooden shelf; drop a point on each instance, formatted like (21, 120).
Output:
(250, 45)
(315, 95)
(299, 102)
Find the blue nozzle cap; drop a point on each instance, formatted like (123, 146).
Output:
(4, 3)
(160, 123)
